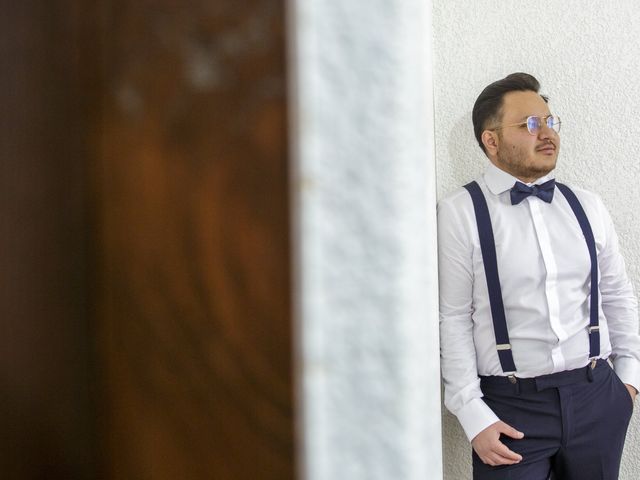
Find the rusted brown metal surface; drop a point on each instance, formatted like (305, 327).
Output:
(192, 299)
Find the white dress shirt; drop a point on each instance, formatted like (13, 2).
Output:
(544, 269)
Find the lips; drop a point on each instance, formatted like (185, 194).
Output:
(547, 148)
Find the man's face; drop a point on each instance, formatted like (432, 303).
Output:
(525, 156)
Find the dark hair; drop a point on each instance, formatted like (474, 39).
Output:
(489, 103)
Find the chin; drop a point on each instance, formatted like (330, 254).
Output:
(547, 165)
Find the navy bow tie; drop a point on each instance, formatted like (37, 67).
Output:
(520, 191)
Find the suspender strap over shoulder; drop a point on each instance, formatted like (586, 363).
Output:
(594, 328)
(488, 248)
(489, 257)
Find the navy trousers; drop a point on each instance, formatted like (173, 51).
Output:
(574, 424)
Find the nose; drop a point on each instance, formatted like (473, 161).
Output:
(546, 131)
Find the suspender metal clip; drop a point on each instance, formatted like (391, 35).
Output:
(593, 363)
(514, 381)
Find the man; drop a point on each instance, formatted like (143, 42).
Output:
(538, 320)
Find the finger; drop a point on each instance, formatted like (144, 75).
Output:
(510, 431)
(504, 451)
(632, 391)
(496, 459)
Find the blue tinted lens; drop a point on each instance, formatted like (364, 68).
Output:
(533, 124)
(554, 122)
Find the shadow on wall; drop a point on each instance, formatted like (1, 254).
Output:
(465, 159)
(465, 162)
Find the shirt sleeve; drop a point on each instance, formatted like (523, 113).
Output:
(462, 394)
(619, 305)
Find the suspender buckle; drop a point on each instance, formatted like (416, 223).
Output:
(594, 328)
(503, 346)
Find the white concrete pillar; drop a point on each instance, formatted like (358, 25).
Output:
(365, 239)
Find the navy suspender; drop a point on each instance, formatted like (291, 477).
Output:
(594, 327)
(488, 248)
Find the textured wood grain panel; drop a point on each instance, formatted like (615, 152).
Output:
(45, 347)
(193, 292)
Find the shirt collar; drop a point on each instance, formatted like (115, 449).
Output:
(499, 181)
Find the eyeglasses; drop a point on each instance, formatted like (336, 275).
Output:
(534, 124)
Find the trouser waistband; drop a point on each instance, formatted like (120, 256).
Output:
(542, 382)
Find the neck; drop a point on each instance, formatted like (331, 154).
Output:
(524, 177)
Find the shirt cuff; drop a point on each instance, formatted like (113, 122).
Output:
(475, 416)
(628, 370)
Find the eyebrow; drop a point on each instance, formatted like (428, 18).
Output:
(524, 119)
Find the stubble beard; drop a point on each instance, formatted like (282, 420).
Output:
(518, 164)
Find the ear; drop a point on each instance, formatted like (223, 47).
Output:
(490, 141)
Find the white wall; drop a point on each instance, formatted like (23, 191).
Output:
(363, 190)
(586, 56)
